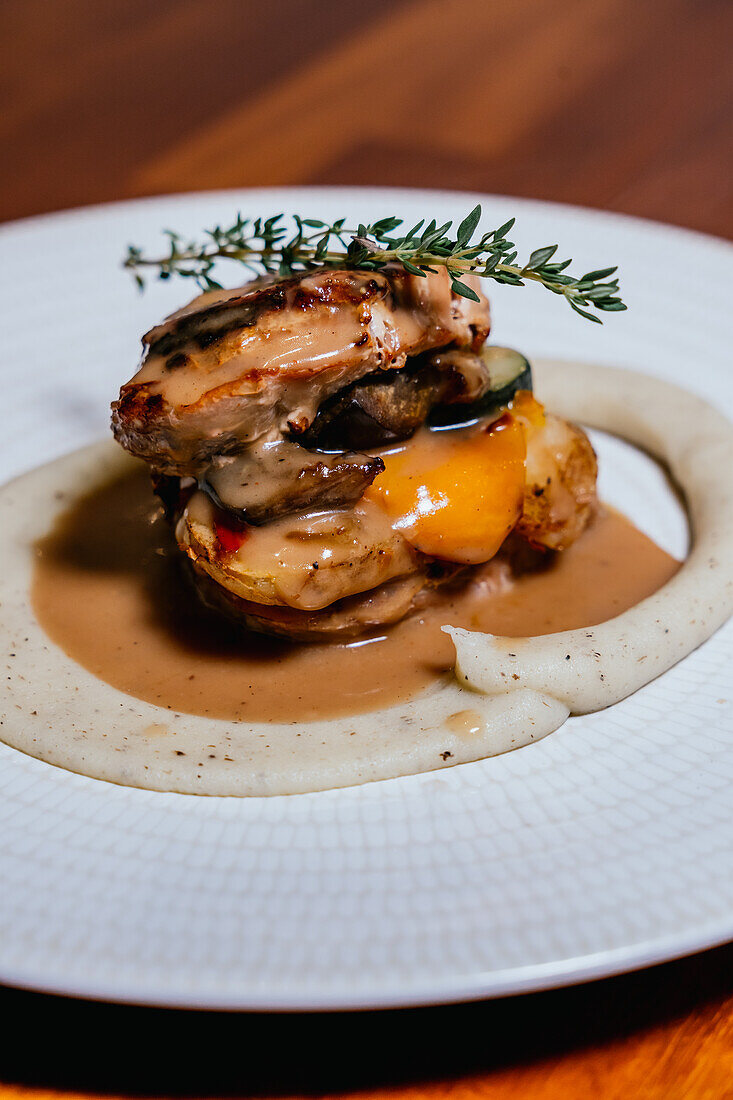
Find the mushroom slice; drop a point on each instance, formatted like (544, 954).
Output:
(279, 478)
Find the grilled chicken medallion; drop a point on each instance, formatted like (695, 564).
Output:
(330, 447)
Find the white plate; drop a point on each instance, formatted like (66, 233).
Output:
(608, 845)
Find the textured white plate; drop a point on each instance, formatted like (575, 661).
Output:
(608, 845)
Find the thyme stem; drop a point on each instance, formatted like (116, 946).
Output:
(266, 245)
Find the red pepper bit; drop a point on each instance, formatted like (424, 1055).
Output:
(500, 423)
(230, 538)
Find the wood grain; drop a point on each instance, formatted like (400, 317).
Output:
(622, 104)
(611, 103)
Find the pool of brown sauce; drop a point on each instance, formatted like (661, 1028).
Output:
(109, 590)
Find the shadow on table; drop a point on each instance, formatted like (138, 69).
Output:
(65, 1044)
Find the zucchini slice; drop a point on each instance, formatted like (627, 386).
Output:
(509, 371)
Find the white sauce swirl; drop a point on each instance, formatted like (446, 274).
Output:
(595, 667)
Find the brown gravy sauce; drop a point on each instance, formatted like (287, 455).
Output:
(108, 590)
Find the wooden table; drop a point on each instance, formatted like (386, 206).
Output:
(622, 104)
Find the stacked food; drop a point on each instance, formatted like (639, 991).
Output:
(332, 446)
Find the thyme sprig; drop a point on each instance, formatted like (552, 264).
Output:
(268, 245)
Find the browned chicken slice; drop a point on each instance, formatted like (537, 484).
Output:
(262, 411)
(258, 362)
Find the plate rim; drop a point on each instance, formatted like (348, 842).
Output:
(114, 205)
(486, 985)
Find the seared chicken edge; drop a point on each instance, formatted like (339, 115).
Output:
(262, 411)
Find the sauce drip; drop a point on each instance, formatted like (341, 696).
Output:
(109, 591)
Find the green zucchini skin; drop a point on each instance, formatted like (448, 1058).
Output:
(513, 372)
(382, 409)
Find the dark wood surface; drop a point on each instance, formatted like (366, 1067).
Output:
(621, 104)
(660, 1034)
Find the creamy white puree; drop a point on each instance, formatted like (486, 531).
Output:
(592, 668)
(57, 711)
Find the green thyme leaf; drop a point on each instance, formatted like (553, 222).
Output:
(267, 245)
(464, 291)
